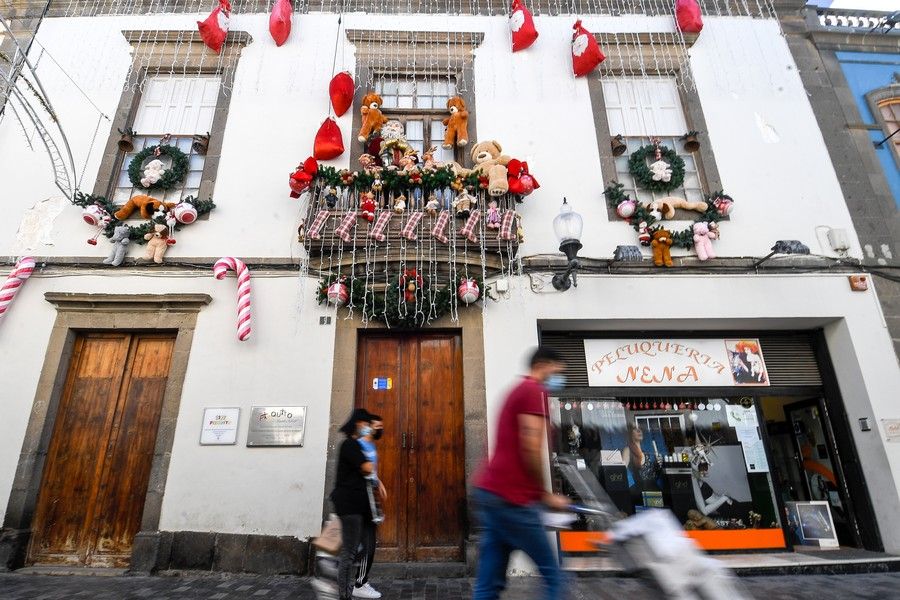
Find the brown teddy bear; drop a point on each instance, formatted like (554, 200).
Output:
(146, 204)
(697, 520)
(489, 161)
(662, 243)
(457, 123)
(157, 243)
(372, 119)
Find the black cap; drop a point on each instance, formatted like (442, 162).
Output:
(358, 414)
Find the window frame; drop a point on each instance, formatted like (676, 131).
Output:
(889, 94)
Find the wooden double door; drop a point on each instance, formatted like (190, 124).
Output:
(415, 382)
(92, 493)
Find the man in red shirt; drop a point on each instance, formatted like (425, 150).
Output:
(509, 489)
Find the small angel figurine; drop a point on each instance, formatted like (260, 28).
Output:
(493, 215)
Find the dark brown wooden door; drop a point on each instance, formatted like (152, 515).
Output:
(98, 465)
(422, 453)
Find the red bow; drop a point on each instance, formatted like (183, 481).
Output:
(520, 180)
(303, 176)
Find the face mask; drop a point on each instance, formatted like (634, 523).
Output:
(555, 383)
(376, 435)
(364, 431)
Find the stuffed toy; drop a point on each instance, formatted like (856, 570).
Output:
(341, 92)
(521, 25)
(644, 233)
(662, 244)
(331, 198)
(329, 142)
(153, 172)
(697, 520)
(520, 180)
(489, 161)
(302, 177)
(586, 54)
(400, 204)
(367, 206)
(666, 206)
(369, 164)
(372, 119)
(301, 231)
(280, 21)
(432, 206)
(120, 240)
(687, 16)
(457, 123)
(661, 170)
(157, 243)
(146, 204)
(702, 241)
(520, 229)
(428, 161)
(393, 144)
(463, 204)
(493, 215)
(214, 29)
(658, 209)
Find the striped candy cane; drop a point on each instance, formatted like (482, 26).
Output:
(22, 271)
(243, 302)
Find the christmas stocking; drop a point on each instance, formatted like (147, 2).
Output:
(214, 29)
(521, 24)
(687, 16)
(343, 230)
(381, 224)
(329, 141)
(409, 230)
(440, 226)
(341, 91)
(468, 230)
(586, 54)
(507, 226)
(280, 21)
(315, 230)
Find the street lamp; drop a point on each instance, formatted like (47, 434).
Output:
(567, 226)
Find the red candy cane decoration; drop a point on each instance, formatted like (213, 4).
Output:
(22, 271)
(220, 269)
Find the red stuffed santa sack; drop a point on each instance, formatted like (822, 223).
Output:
(586, 54)
(521, 24)
(341, 91)
(214, 29)
(329, 141)
(280, 21)
(687, 16)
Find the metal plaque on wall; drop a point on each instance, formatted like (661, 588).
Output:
(277, 426)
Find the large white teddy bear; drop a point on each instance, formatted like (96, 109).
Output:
(153, 172)
(661, 170)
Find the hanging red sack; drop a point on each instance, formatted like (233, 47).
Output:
(329, 141)
(521, 24)
(586, 54)
(280, 21)
(687, 16)
(341, 91)
(214, 29)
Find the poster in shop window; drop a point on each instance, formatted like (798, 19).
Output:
(672, 362)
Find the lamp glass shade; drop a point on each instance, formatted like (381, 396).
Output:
(568, 224)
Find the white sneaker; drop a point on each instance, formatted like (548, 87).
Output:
(366, 591)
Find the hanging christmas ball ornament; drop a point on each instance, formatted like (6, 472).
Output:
(94, 215)
(521, 25)
(626, 208)
(468, 291)
(724, 205)
(302, 177)
(329, 141)
(185, 213)
(280, 21)
(341, 91)
(586, 54)
(214, 29)
(338, 294)
(687, 16)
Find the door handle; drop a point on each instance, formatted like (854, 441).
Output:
(403, 440)
(412, 441)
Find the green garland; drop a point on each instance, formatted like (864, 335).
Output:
(615, 193)
(637, 166)
(173, 176)
(396, 180)
(136, 233)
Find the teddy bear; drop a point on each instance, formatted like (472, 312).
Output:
(146, 204)
(493, 215)
(120, 240)
(157, 243)
(489, 161)
(153, 172)
(400, 204)
(662, 243)
(463, 204)
(666, 206)
(432, 206)
(372, 119)
(697, 520)
(457, 123)
(367, 206)
(661, 170)
(702, 241)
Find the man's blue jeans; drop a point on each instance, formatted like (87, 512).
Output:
(506, 527)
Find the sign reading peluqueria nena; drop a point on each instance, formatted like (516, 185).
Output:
(649, 362)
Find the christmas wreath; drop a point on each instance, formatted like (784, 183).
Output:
(158, 179)
(665, 174)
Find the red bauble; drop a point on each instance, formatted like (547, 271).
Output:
(214, 29)
(586, 54)
(468, 291)
(341, 91)
(338, 294)
(687, 16)
(521, 25)
(280, 21)
(329, 141)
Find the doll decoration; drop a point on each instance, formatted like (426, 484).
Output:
(463, 204)
(331, 198)
(400, 204)
(493, 215)
(432, 206)
(367, 206)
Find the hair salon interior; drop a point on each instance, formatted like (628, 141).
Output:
(230, 224)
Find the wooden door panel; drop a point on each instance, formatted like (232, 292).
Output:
(380, 357)
(438, 457)
(123, 487)
(80, 434)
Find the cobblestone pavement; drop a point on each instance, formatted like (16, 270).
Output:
(243, 587)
